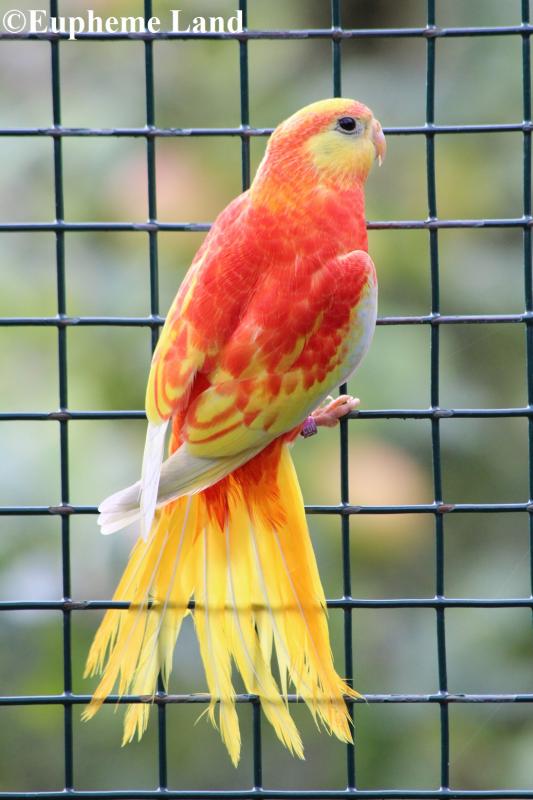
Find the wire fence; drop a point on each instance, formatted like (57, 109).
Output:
(62, 321)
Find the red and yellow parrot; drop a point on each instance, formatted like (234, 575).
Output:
(277, 310)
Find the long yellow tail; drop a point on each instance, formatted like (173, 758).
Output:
(257, 592)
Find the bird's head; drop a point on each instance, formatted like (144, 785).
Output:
(334, 140)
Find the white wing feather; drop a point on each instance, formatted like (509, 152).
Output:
(180, 474)
(151, 470)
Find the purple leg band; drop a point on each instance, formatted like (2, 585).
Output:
(309, 427)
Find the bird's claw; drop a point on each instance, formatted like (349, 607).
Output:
(327, 416)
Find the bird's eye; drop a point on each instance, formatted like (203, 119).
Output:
(347, 125)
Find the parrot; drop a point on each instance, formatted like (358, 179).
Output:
(276, 311)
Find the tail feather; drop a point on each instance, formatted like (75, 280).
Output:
(271, 597)
(210, 619)
(244, 553)
(169, 605)
(246, 644)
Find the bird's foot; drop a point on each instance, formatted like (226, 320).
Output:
(327, 416)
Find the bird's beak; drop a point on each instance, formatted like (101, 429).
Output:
(380, 143)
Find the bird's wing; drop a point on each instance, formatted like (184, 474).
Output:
(203, 314)
(302, 334)
(202, 317)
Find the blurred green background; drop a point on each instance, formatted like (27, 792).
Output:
(197, 84)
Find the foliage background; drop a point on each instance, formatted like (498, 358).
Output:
(197, 84)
